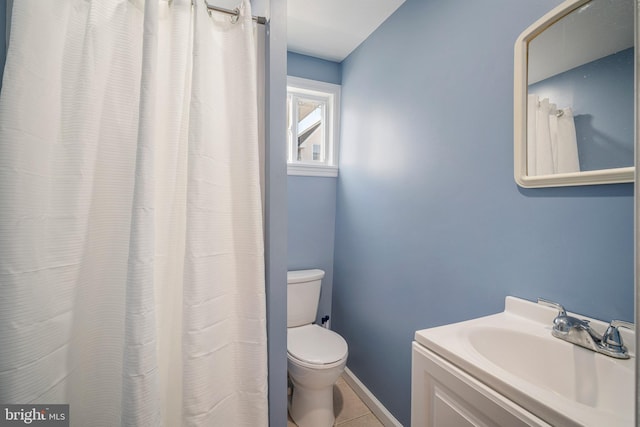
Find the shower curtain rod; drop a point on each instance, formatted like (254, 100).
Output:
(236, 12)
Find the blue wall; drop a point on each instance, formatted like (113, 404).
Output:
(601, 96)
(431, 227)
(312, 200)
(275, 208)
(308, 67)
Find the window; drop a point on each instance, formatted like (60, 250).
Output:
(313, 111)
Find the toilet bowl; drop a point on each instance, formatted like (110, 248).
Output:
(316, 356)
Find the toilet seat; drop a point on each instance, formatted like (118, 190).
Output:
(315, 346)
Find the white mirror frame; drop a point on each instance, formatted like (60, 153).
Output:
(520, 84)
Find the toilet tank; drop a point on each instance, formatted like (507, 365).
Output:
(303, 294)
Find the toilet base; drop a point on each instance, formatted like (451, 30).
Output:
(312, 407)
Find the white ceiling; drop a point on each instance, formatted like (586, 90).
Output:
(332, 29)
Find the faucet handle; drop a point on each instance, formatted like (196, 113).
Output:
(552, 304)
(612, 336)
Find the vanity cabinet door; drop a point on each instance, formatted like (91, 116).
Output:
(445, 396)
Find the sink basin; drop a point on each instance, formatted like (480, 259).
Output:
(573, 372)
(514, 353)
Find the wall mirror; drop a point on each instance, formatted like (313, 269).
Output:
(574, 96)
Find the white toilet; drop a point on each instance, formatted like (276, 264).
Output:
(316, 356)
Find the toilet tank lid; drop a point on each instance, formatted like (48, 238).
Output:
(304, 275)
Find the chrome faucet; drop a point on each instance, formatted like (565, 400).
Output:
(579, 332)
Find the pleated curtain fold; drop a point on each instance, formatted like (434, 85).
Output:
(551, 138)
(131, 236)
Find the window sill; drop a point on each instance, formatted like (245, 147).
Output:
(312, 170)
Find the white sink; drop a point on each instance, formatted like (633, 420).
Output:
(599, 382)
(514, 353)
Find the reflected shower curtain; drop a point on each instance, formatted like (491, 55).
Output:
(551, 138)
(131, 252)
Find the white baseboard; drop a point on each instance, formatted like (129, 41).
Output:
(370, 400)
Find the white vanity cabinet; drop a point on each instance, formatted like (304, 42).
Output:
(445, 396)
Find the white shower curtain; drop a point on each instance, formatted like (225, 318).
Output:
(131, 251)
(551, 138)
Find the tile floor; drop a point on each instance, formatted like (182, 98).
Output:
(350, 411)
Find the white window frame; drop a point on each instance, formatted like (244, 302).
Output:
(330, 93)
